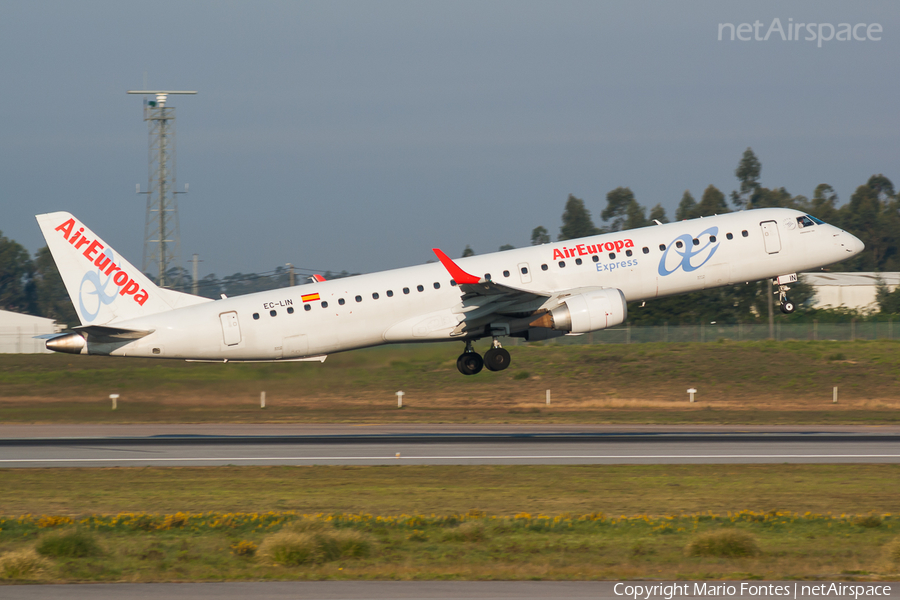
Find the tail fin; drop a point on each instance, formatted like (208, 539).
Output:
(105, 288)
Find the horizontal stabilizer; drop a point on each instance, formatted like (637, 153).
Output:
(113, 332)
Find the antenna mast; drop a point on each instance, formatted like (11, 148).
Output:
(162, 239)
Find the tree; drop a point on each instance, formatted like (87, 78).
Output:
(635, 216)
(777, 198)
(711, 203)
(51, 299)
(623, 210)
(824, 203)
(747, 172)
(658, 213)
(882, 186)
(539, 235)
(506, 247)
(872, 216)
(16, 268)
(687, 208)
(467, 251)
(888, 301)
(576, 220)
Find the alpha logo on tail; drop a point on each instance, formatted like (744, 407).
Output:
(104, 259)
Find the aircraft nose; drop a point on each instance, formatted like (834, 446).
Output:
(851, 243)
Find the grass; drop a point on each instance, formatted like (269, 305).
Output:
(422, 489)
(746, 545)
(738, 383)
(75, 543)
(453, 522)
(730, 543)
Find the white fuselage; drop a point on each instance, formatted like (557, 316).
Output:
(420, 303)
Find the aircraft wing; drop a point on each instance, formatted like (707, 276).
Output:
(484, 301)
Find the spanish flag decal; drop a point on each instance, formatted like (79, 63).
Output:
(309, 297)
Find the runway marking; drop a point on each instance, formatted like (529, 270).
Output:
(475, 457)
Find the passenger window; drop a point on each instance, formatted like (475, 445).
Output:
(324, 305)
(543, 267)
(678, 244)
(696, 242)
(628, 253)
(405, 290)
(421, 288)
(390, 293)
(577, 261)
(506, 273)
(745, 234)
(562, 264)
(341, 301)
(662, 247)
(272, 313)
(374, 295)
(612, 256)
(525, 270)
(359, 298)
(595, 258)
(452, 283)
(437, 285)
(712, 238)
(729, 236)
(256, 316)
(307, 307)
(290, 310)
(487, 276)
(645, 250)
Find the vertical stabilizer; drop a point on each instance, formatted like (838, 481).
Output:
(103, 286)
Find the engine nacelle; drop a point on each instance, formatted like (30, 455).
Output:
(590, 309)
(70, 343)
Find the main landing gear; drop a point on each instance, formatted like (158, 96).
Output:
(495, 359)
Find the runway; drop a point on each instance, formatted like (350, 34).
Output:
(445, 445)
(433, 590)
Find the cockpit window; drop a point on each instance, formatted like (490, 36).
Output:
(805, 221)
(815, 220)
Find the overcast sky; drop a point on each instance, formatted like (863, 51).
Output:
(358, 135)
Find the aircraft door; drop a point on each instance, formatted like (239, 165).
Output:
(770, 236)
(231, 330)
(524, 272)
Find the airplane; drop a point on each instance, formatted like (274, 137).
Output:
(569, 287)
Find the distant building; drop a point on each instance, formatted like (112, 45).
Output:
(855, 291)
(17, 333)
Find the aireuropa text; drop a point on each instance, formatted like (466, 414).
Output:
(668, 591)
(808, 32)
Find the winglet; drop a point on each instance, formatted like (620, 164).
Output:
(458, 275)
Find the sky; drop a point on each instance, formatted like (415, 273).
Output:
(359, 135)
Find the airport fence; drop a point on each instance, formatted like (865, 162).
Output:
(712, 332)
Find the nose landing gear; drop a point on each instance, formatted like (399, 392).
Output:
(787, 307)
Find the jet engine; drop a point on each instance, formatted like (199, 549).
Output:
(588, 309)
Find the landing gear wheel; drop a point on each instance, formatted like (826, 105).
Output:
(496, 359)
(469, 363)
(787, 307)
